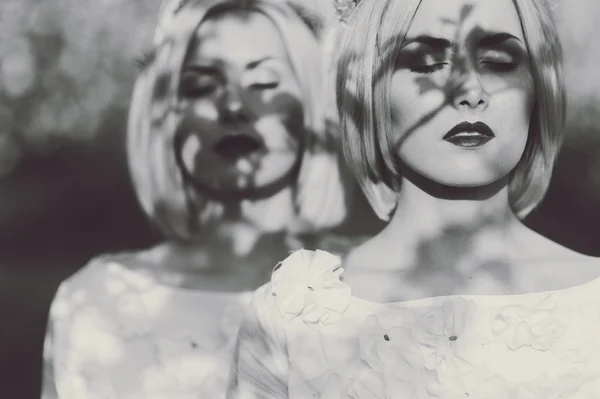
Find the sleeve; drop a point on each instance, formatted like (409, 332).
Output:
(71, 339)
(48, 380)
(54, 348)
(260, 364)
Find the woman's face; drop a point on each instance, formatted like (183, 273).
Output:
(462, 92)
(243, 125)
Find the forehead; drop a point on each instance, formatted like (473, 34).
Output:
(455, 18)
(238, 36)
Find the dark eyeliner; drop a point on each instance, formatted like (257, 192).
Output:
(427, 69)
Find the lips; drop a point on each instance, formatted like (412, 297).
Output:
(469, 135)
(235, 146)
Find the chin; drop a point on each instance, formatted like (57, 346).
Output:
(468, 180)
(273, 214)
(229, 184)
(470, 173)
(275, 167)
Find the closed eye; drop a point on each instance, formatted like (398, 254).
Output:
(194, 88)
(264, 85)
(500, 67)
(198, 91)
(500, 60)
(428, 69)
(194, 85)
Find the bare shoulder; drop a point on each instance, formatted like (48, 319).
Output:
(368, 255)
(542, 248)
(558, 265)
(375, 275)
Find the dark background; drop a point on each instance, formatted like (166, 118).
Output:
(66, 72)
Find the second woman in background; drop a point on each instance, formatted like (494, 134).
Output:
(231, 154)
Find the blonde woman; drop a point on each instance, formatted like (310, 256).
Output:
(452, 114)
(232, 157)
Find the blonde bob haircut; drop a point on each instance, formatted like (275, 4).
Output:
(365, 64)
(178, 210)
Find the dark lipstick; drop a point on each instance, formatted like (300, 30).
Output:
(238, 145)
(469, 135)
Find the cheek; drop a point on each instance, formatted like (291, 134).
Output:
(191, 148)
(205, 109)
(514, 95)
(275, 133)
(518, 104)
(414, 102)
(285, 106)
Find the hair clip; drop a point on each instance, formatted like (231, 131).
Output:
(344, 8)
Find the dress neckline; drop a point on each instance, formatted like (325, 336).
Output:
(491, 300)
(177, 290)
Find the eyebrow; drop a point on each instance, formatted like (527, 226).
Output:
(202, 69)
(435, 42)
(439, 43)
(214, 70)
(254, 64)
(496, 39)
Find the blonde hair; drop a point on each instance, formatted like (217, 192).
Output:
(177, 209)
(368, 48)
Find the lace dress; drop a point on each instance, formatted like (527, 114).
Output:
(116, 333)
(306, 336)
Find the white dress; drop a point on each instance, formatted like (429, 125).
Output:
(307, 336)
(117, 333)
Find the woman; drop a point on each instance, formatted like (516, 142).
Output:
(231, 156)
(452, 115)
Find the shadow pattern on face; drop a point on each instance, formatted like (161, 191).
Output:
(173, 123)
(437, 260)
(463, 65)
(233, 139)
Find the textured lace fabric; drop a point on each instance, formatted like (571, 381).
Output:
(115, 333)
(306, 336)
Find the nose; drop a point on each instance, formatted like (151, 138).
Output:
(468, 92)
(233, 109)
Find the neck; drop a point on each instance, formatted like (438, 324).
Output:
(269, 215)
(441, 225)
(234, 237)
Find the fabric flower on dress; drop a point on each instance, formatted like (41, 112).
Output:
(578, 341)
(477, 383)
(231, 321)
(326, 386)
(536, 327)
(307, 284)
(552, 385)
(394, 362)
(449, 339)
(134, 317)
(317, 352)
(367, 384)
(93, 339)
(386, 343)
(373, 384)
(84, 385)
(186, 365)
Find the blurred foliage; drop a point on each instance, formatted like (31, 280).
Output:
(67, 68)
(62, 63)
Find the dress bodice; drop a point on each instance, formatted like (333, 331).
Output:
(317, 340)
(116, 333)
